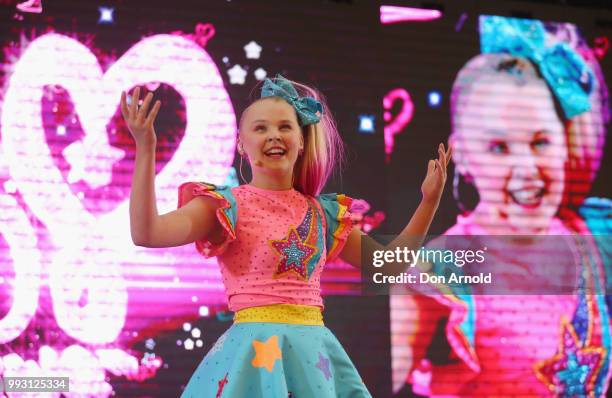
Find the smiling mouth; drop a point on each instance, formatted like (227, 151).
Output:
(527, 197)
(275, 153)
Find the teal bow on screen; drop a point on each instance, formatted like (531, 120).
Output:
(308, 109)
(566, 73)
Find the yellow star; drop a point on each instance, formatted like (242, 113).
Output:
(266, 353)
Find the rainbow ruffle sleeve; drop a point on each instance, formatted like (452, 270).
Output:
(338, 222)
(226, 213)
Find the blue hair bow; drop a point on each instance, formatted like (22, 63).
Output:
(567, 74)
(308, 109)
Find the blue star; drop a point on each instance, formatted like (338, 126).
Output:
(574, 376)
(573, 371)
(294, 254)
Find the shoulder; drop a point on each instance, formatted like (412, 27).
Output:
(191, 189)
(338, 221)
(220, 197)
(334, 204)
(596, 213)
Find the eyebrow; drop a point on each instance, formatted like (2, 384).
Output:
(543, 131)
(496, 132)
(265, 121)
(503, 133)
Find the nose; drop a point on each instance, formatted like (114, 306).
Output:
(525, 163)
(273, 136)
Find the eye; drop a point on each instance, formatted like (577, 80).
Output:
(286, 127)
(260, 127)
(540, 143)
(498, 147)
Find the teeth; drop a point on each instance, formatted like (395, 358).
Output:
(527, 196)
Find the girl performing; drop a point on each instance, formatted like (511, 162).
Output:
(272, 238)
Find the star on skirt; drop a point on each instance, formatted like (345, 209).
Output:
(272, 360)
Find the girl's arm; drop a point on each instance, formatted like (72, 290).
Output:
(195, 220)
(414, 233)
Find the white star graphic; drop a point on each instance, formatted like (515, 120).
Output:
(91, 162)
(260, 74)
(106, 14)
(252, 50)
(237, 74)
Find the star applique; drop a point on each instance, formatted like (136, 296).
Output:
(323, 365)
(221, 385)
(574, 369)
(266, 353)
(294, 253)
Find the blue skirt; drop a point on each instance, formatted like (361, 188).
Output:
(276, 360)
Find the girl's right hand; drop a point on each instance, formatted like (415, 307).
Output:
(139, 123)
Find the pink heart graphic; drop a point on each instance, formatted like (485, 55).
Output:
(66, 176)
(63, 129)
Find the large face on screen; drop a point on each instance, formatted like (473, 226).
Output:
(510, 139)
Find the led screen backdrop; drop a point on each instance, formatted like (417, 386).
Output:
(528, 110)
(77, 294)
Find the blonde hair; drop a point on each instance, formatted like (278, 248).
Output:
(323, 146)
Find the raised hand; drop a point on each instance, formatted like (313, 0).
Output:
(434, 182)
(139, 123)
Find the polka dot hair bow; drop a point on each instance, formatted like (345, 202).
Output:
(308, 109)
(567, 74)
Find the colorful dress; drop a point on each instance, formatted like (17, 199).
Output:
(273, 252)
(470, 345)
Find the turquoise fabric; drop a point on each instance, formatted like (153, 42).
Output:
(597, 213)
(331, 207)
(313, 364)
(462, 292)
(308, 109)
(232, 211)
(567, 74)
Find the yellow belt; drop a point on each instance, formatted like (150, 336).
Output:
(281, 313)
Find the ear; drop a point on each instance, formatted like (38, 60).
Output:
(457, 157)
(240, 148)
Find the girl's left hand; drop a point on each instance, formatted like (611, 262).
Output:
(434, 182)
